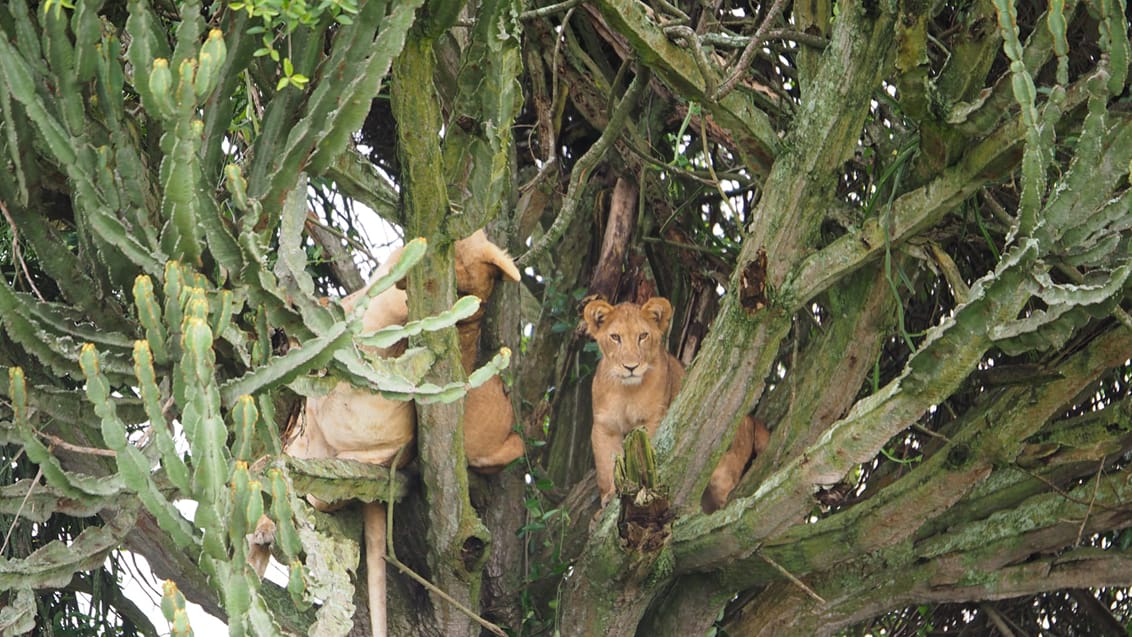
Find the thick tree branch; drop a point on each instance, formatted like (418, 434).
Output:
(936, 487)
(744, 340)
(757, 140)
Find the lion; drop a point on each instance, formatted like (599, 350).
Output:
(358, 424)
(633, 386)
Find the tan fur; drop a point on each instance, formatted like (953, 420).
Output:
(490, 442)
(635, 382)
(751, 436)
(354, 423)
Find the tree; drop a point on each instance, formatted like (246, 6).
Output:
(895, 231)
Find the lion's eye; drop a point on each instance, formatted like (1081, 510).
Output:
(642, 337)
(616, 338)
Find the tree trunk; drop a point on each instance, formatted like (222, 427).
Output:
(457, 540)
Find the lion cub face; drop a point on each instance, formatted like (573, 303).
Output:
(630, 337)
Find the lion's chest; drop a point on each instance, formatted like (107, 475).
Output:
(621, 407)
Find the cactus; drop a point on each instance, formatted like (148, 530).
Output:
(179, 270)
(1037, 153)
(173, 607)
(184, 385)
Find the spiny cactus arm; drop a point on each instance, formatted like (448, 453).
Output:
(237, 581)
(331, 480)
(180, 176)
(395, 379)
(173, 608)
(264, 292)
(110, 76)
(190, 27)
(464, 307)
(281, 370)
(429, 393)
(27, 33)
(188, 203)
(68, 409)
(205, 430)
(23, 83)
(1036, 154)
(63, 320)
(59, 52)
(37, 502)
(1068, 307)
(291, 266)
(400, 378)
(331, 545)
(1115, 41)
(1081, 210)
(149, 315)
(147, 43)
(1097, 240)
(55, 564)
(1103, 151)
(347, 110)
(18, 617)
(77, 285)
(30, 337)
(13, 190)
(361, 55)
(218, 107)
(411, 254)
(133, 466)
(171, 460)
(490, 96)
(20, 431)
(87, 27)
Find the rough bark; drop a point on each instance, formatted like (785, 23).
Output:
(615, 242)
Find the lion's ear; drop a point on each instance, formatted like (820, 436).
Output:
(658, 310)
(596, 313)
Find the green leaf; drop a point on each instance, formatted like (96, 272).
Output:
(291, 268)
(55, 564)
(385, 337)
(281, 370)
(411, 253)
(18, 617)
